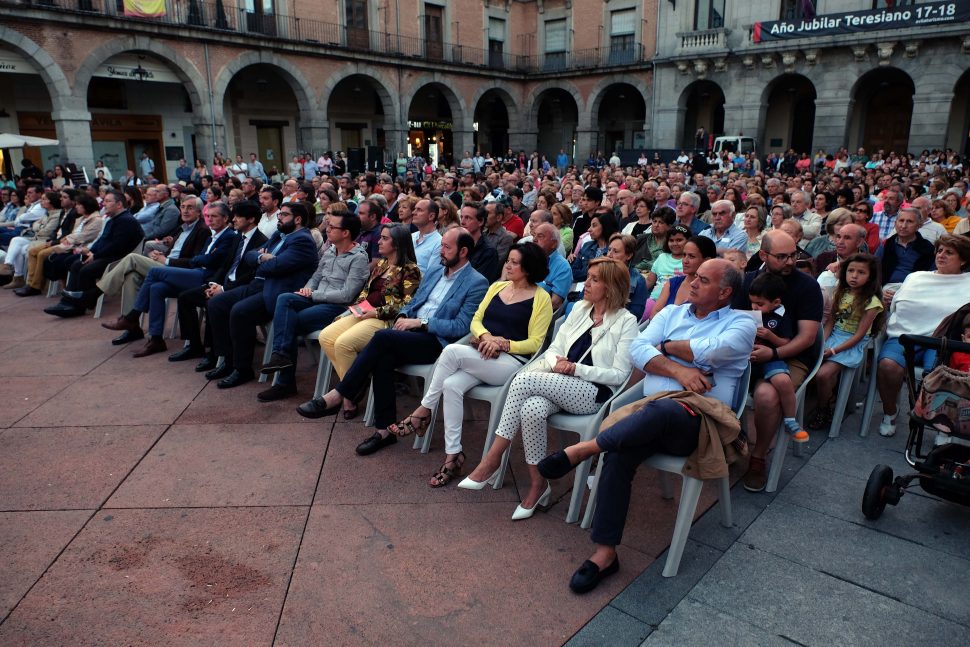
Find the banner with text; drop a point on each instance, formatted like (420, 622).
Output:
(933, 13)
(145, 8)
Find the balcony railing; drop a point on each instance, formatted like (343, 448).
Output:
(226, 16)
(704, 39)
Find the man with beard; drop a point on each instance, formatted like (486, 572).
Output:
(440, 313)
(283, 265)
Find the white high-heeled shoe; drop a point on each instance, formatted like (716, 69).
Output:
(524, 513)
(468, 484)
(888, 426)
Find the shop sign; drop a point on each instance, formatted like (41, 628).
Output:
(953, 12)
(430, 125)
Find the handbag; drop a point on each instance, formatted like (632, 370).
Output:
(944, 400)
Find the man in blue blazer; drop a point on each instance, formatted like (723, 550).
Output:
(176, 276)
(283, 265)
(440, 313)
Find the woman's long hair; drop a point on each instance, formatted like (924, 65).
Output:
(403, 244)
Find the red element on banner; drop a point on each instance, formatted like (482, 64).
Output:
(757, 32)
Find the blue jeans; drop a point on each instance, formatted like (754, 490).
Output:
(294, 316)
(163, 283)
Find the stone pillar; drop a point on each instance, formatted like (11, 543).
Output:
(207, 142)
(931, 114)
(461, 141)
(395, 141)
(668, 124)
(585, 144)
(743, 118)
(831, 123)
(314, 136)
(523, 140)
(73, 127)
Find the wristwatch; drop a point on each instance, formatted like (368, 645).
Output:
(663, 347)
(424, 324)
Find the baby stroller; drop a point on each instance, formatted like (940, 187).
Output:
(944, 470)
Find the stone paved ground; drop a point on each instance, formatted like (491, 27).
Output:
(140, 505)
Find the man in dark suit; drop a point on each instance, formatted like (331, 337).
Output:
(439, 313)
(169, 280)
(120, 234)
(232, 274)
(283, 265)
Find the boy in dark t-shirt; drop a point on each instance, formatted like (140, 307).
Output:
(766, 292)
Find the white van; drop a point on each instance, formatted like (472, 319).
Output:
(733, 144)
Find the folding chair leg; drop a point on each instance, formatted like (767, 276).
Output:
(500, 479)
(97, 308)
(369, 409)
(579, 489)
(777, 459)
(666, 487)
(593, 489)
(846, 382)
(267, 353)
(690, 492)
(324, 369)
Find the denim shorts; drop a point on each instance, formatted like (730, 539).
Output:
(774, 367)
(893, 350)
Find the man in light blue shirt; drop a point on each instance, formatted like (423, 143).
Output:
(723, 231)
(701, 346)
(560, 276)
(427, 240)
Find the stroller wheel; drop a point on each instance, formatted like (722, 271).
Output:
(875, 497)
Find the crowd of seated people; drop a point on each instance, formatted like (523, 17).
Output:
(468, 271)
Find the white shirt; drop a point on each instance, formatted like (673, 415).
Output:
(267, 224)
(242, 246)
(439, 292)
(931, 230)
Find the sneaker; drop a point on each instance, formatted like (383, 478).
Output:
(755, 479)
(276, 392)
(821, 420)
(888, 426)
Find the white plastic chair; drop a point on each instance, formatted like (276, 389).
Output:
(53, 288)
(782, 436)
(690, 490)
(848, 379)
(324, 367)
(267, 351)
(100, 304)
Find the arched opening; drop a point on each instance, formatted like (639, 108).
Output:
(620, 116)
(703, 103)
(790, 115)
(262, 116)
(958, 133)
(355, 112)
(26, 109)
(556, 120)
(491, 124)
(139, 106)
(883, 111)
(430, 124)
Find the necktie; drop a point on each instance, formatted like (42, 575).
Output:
(242, 250)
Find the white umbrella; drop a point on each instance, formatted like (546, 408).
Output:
(10, 140)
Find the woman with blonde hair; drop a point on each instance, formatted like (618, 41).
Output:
(447, 214)
(586, 361)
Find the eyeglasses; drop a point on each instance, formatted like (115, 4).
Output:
(329, 227)
(784, 258)
(861, 210)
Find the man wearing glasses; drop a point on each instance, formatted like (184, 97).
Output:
(283, 265)
(687, 205)
(723, 231)
(803, 305)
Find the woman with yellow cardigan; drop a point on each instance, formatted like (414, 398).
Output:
(507, 329)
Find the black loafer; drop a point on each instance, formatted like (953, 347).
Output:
(189, 352)
(276, 392)
(127, 337)
(219, 372)
(206, 365)
(26, 291)
(375, 443)
(276, 363)
(64, 310)
(589, 575)
(555, 466)
(236, 378)
(316, 408)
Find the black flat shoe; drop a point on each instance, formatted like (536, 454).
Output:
(375, 443)
(26, 291)
(206, 365)
(589, 575)
(189, 352)
(219, 372)
(555, 466)
(316, 408)
(127, 337)
(276, 363)
(64, 311)
(236, 378)
(276, 392)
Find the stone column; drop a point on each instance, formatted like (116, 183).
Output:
(314, 136)
(73, 127)
(668, 124)
(523, 140)
(461, 141)
(207, 142)
(395, 141)
(931, 114)
(743, 118)
(831, 122)
(586, 144)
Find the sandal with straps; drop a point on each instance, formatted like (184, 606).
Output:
(407, 427)
(448, 472)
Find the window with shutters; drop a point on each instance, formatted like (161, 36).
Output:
(555, 50)
(356, 12)
(433, 34)
(623, 26)
(496, 43)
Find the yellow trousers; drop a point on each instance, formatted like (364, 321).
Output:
(36, 255)
(346, 337)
